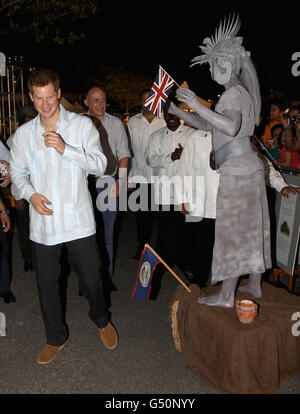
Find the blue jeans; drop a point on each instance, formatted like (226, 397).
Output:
(107, 207)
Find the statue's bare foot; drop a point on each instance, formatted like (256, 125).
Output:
(253, 287)
(255, 291)
(225, 297)
(217, 300)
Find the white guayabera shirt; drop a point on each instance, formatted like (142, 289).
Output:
(200, 192)
(140, 130)
(62, 179)
(158, 153)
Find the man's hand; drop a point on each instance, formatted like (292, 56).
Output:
(184, 209)
(177, 153)
(5, 220)
(289, 190)
(54, 140)
(4, 181)
(115, 189)
(38, 202)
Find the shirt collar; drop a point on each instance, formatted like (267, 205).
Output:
(62, 122)
(178, 130)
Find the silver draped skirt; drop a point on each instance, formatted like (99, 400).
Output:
(242, 235)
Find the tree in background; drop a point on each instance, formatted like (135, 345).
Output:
(123, 87)
(45, 19)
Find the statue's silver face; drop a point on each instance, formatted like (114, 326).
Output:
(221, 70)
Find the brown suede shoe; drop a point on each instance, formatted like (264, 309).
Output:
(48, 353)
(109, 336)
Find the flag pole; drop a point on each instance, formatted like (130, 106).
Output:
(169, 76)
(265, 148)
(170, 270)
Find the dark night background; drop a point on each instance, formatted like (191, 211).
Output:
(139, 36)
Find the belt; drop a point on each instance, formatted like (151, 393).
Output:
(234, 148)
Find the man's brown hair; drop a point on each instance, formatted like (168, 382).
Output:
(42, 77)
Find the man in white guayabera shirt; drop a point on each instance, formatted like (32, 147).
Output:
(162, 154)
(51, 157)
(140, 127)
(198, 194)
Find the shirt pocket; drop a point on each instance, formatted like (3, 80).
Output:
(198, 162)
(77, 215)
(38, 158)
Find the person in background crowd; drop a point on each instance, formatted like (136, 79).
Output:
(96, 102)
(276, 114)
(56, 144)
(199, 203)
(5, 273)
(5, 280)
(162, 154)
(292, 129)
(140, 127)
(275, 143)
(25, 114)
(274, 184)
(288, 158)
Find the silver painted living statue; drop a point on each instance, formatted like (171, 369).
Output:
(242, 234)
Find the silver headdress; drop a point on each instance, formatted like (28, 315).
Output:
(224, 42)
(227, 45)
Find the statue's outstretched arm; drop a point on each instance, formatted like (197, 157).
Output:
(229, 122)
(193, 119)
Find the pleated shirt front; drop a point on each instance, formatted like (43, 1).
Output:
(61, 178)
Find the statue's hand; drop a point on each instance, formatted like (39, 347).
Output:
(188, 97)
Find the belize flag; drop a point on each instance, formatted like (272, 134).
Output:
(159, 92)
(148, 262)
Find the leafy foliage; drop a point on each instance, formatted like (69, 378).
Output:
(45, 19)
(123, 87)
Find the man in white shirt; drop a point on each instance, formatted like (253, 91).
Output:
(140, 127)
(108, 206)
(162, 154)
(25, 114)
(198, 195)
(51, 157)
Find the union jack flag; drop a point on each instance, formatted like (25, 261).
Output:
(159, 92)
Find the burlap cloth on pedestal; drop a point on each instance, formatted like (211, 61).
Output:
(231, 356)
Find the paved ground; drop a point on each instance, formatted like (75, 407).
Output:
(145, 362)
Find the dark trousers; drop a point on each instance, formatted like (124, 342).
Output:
(202, 237)
(169, 245)
(4, 268)
(271, 196)
(84, 259)
(145, 219)
(22, 218)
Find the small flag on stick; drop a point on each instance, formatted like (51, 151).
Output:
(159, 92)
(148, 261)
